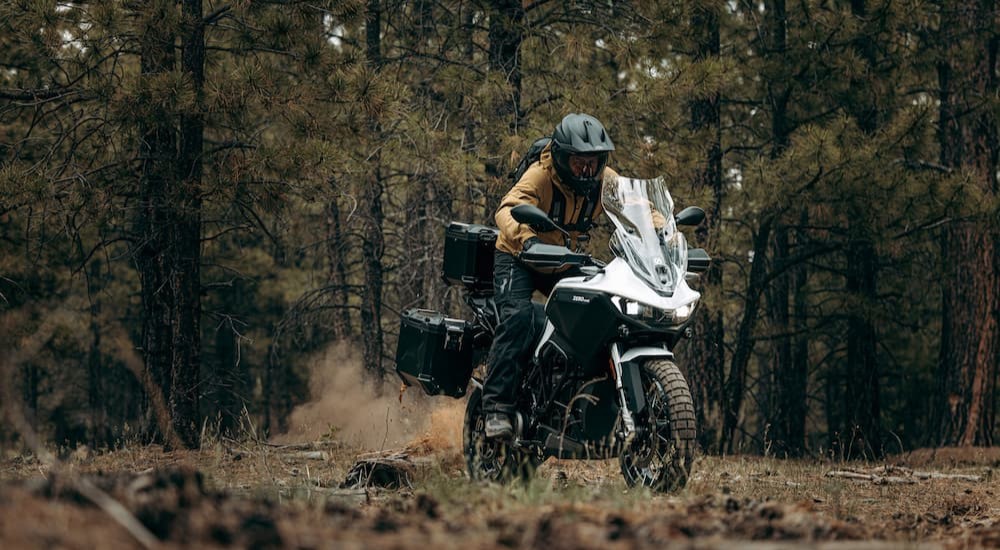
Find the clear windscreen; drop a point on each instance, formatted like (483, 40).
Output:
(645, 234)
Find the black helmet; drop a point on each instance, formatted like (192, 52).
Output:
(580, 134)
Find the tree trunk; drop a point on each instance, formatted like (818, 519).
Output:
(371, 296)
(228, 381)
(96, 398)
(432, 232)
(157, 147)
(169, 226)
(736, 383)
(864, 99)
(861, 432)
(706, 355)
(779, 371)
(373, 246)
(796, 386)
(474, 208)
(186, 272)
(336, 279)
(862, 413)
(225, 386)
(420, 239)
(505, 36)
(970, 341)
(506, 32)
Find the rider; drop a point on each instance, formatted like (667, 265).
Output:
(565, 183)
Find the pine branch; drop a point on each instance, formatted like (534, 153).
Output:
(216, 15)
(35, 96)
(926, 165)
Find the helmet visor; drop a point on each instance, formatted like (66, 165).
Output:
(586, 166)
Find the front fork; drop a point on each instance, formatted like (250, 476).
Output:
(627, 420)
(625, 367)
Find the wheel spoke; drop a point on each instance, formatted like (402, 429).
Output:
(657, 459)
(489, 459)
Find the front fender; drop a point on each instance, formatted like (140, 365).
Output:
(627, 367)
(645, 352)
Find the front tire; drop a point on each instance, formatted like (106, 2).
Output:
(660, 455)
(491, 459)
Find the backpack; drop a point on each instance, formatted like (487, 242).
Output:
(530, 157)
(558, 208)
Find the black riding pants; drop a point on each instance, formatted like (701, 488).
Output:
(513, 285)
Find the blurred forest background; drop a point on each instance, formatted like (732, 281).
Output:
(198, 196)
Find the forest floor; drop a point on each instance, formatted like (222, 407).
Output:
(265, 495)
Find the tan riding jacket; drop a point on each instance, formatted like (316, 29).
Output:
(535, 187)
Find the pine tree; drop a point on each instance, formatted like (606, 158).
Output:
(970, 342)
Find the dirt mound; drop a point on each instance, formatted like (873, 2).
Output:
(720, 518)
(176, 508)
(173, 505)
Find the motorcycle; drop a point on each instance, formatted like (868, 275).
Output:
(602, 381)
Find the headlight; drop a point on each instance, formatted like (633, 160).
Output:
(656, 316)
(682, 313)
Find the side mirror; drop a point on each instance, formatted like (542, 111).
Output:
(698, 260)
(533, 216)
(691, 215)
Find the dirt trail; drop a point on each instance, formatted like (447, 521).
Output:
(266, 496)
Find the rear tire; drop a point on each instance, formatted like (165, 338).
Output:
(491, 459)
(660, 455)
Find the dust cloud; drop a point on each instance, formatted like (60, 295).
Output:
(345, 407)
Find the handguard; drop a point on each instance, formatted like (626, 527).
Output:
(549, 258)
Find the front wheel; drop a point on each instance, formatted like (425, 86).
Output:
(661, 453)
(491, 459)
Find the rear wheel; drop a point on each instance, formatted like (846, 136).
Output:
(491, 459)
(661, 453)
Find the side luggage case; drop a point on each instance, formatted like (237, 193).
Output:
(434, 352)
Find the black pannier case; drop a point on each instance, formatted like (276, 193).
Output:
(468, 255)
(434, 352)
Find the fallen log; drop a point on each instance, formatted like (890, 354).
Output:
(928, 475)
(309, 455)
(389, 472)
(895, 474)
(876, 479)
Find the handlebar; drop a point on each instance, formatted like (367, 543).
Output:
(551, 257)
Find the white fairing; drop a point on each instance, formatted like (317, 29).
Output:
(618, 279)
(648, 273)
(549, 329)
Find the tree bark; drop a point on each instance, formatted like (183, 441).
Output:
(706, 355)
(779, 371)
(336, 246)
(97, 404)
(796, 387)
(506, 33)
(168, 255)
(186, 273)
(970, 343)
(862, 430)
(373, 246)
(157, 146)
(736, 382)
